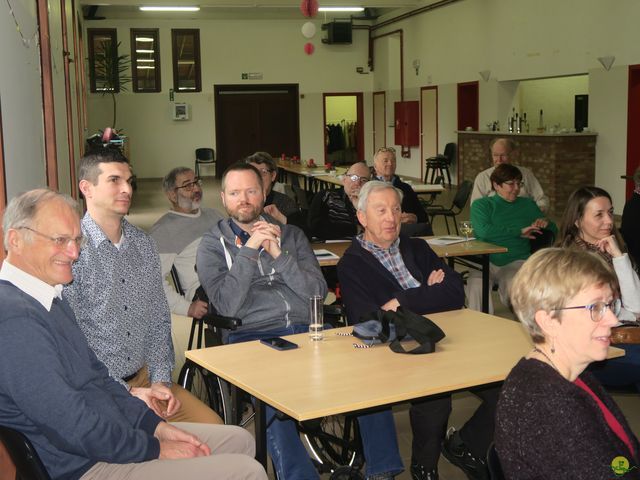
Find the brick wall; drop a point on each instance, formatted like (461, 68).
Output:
(561, 163)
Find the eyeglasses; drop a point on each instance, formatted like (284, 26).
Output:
(189, 186)
(598, 309)
(265, 172)
(357, 178)
(60, 242)
(513, 183)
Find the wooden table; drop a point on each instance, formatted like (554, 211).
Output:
(473, 251)
(331, 376)
(420, 188)
(308, 174)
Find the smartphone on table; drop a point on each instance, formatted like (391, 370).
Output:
(279, 343)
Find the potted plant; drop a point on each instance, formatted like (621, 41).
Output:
(112, 70)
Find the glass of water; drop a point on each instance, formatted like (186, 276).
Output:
(466, 229)
(316, 319)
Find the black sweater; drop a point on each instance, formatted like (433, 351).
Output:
(548, 427)
(366, 284)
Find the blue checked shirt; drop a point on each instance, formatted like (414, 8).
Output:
(391, 260)
(119, 302)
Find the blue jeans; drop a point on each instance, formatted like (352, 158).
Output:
(291, 461)
(619, 372)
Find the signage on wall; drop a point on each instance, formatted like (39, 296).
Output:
(252, 76)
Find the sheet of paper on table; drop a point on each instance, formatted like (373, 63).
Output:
(447, 240)
(322, 254)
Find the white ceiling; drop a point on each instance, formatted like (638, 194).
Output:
(243, 9)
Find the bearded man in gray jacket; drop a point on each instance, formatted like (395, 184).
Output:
(263, 272)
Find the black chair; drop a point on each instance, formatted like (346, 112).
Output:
(440, 163)
(459, 201)
(493, 463)
(433, 195)
(544, 239)
(205, 156)
(24, 457)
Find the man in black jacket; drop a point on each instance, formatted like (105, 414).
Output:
(384, 163)
(383, 269)
(332, 214)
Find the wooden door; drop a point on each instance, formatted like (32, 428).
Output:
(428, 123)
(252, 118)
(379, 121)
(468, 97)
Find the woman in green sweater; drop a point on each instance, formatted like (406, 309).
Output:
(507, 220)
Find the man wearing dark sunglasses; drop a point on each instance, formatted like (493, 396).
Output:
(332, 214)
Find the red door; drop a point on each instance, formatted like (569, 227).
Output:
(468, 105)
(633, 125)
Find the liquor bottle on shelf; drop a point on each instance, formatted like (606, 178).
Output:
(541, 127)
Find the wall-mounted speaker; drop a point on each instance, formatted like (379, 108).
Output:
(338, 32)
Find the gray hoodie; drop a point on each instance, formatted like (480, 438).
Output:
(265, 293)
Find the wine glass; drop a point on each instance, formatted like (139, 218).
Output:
(466, 228)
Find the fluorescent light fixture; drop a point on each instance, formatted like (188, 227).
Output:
(169, 9)
(341, 9)
(144, 51)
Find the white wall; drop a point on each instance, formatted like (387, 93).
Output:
(554, 96)
(516, 40)
(274, 48)
(608, 116)
(512, 39)
(21, 97)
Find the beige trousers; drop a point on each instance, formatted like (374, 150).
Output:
(191, 410)
(503, 276)
(232, 452)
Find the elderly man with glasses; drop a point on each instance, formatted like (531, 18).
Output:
(178, 233)
(81, 422)
(504, 150)
(332, 214)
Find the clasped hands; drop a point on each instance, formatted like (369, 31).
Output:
(535, 228)
(266, 235)
(158, 398)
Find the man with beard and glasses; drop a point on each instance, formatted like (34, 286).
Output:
(259, 270)
(117, 294)
(178, 233)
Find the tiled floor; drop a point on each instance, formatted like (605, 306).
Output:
(149, 204)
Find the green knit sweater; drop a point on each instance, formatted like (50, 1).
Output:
(497, 221)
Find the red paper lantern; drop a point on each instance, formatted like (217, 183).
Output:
(309, 48)
(309, 8)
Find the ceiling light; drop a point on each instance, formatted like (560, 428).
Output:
(169, 9)
(144, 51)
(144, 39)
(145, 60)
(341, 9)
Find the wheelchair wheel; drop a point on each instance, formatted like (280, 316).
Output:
(334, 442)
(346, 473)
(207, 387)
